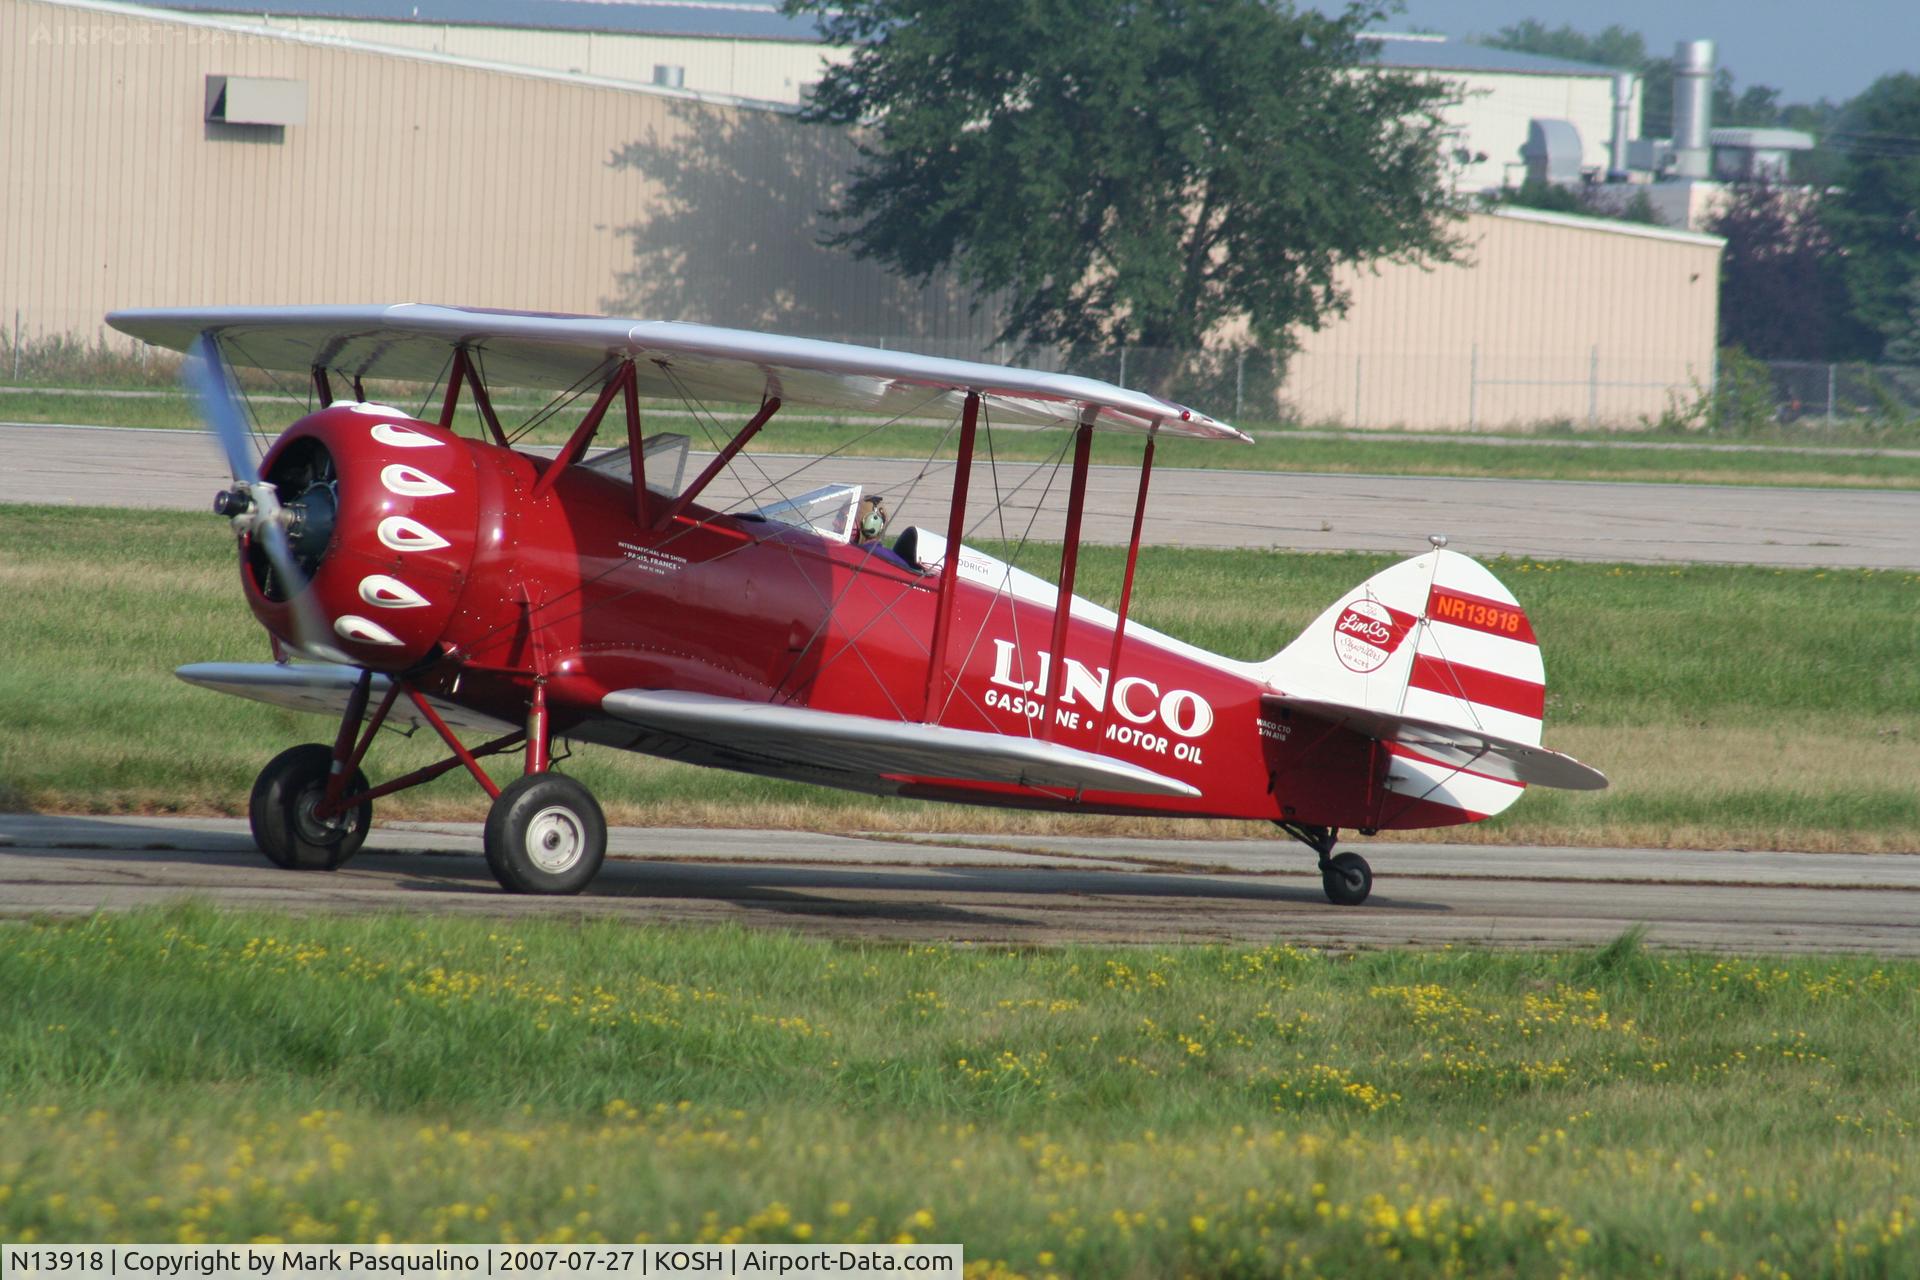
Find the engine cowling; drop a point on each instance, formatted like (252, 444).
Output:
(383, 519)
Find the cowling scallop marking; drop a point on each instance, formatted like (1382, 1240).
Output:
(411, 482)
(354, 627)
(392, 433)
(384, 592)
(371, 408)
(403, 533)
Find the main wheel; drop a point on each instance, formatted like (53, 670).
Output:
(1347, 879)
(545, 834)
(281, 812)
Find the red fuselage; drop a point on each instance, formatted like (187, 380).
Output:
(478, 586)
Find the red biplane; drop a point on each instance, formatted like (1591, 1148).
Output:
(468, 586)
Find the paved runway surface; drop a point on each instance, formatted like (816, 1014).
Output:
(1015, 889)
(1827, 528)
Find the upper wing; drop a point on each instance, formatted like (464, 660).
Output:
(1463, 748)
(769, 735)
(322, 689)
(415, 341)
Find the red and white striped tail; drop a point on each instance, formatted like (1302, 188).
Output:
(1434, 641)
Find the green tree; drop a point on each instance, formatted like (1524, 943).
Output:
(1133, 171)
(1875, 215)
(1903, 340)
(1781, 292)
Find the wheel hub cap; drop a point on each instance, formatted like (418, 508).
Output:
(556, 839)
(312, 827)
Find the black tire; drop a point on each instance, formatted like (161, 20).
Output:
(545, 834)
(1348, 879)
(281, 812)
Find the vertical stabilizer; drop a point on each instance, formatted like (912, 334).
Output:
(1435, 641)
(1434, 638)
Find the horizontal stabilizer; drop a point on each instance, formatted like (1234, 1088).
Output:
(1455, 745)
(323, 690)
(777, 735)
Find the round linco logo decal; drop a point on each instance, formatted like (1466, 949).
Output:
(1365, 636)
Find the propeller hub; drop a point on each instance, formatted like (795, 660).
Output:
(310, 521)
(232, 502)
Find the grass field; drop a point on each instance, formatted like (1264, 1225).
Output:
(197, 1076)
(1596, 455)
(1733, 707)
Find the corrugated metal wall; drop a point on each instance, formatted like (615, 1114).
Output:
(1552, 317)
(769, 70)
(413, 180)
(423, 180)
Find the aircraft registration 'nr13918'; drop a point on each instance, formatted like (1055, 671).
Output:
(488, 592)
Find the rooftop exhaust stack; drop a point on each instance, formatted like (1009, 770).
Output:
(1692, 108)
(1622, 127)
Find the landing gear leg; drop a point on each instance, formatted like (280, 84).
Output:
(296, 810)
(1346, 877)
(545, 832)
(285, 812)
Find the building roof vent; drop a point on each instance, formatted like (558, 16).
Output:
(1552, 152)
(255, 100)
(1756, 155)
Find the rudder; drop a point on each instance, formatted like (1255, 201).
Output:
(1436, 640)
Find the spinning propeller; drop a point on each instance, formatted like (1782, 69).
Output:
(253, 505)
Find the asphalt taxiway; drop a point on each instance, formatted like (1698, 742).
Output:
(1010, 890)
(1576, 520)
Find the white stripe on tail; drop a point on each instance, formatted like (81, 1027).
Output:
(1436, 658)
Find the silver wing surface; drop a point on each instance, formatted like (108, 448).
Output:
(767, 737)
(757, 736)
(1455, 745)
(415, 341)
(324, 690)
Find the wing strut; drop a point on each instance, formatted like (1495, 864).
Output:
(1069, 564)
(484, 403)
(463, 373)
(950, 568)
(637, 455)
(582, 436)
(719, 463)
(1126, 583)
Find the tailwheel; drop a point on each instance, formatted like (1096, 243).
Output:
(1347, 879)
(283, 812)
(1345, 876)
(545, 834)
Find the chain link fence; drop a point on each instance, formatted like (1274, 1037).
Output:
(1463, 390)
(1468, 389)
(1830, 394)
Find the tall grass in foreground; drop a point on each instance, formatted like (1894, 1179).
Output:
(1733, 707)
(1214, 1111)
